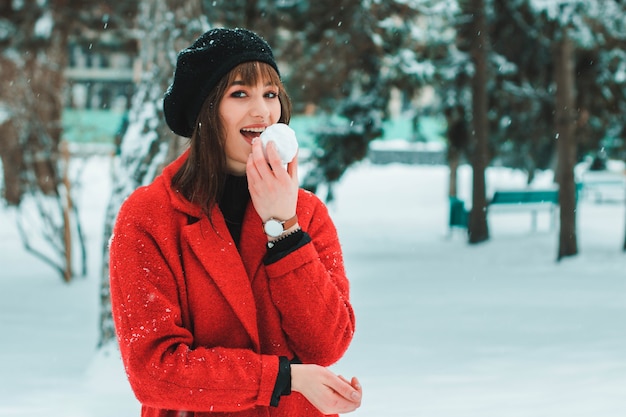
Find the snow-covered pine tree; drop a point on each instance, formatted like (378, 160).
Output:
(164, 27)
(575, 29)
(522, 80)
(356, 51)
(523, 90)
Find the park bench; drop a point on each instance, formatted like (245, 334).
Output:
(532, 200)
(603, 184)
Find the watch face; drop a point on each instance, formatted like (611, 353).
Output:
(273, 228)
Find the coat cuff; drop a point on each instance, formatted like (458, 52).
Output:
(268, 372)
(286, 246)
(283, 381)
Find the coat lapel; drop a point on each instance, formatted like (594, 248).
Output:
(252, 242)
(216, 251)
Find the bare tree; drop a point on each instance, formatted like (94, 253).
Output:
(30, 132)
(35, 37)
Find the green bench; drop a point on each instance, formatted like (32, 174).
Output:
(525, 197)
(532, 200)
(458, 214)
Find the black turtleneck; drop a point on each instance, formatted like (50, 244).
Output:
(233, 203)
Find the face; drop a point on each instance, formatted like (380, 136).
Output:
(245, 111)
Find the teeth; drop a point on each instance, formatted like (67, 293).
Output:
(254, 130)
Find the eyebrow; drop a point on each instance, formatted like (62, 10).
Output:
(241, 82)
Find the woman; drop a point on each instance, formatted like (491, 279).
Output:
(214, 317)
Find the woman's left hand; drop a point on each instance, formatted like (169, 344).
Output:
(273, 189)
(329, 393)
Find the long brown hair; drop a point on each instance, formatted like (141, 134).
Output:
(201, 178)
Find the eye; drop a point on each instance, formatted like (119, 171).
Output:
(238, 94)
(271, 94)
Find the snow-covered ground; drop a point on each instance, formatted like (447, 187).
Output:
(444, 329)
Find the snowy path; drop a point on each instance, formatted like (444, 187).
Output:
(500, 329)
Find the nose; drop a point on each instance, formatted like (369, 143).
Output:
(259, 107)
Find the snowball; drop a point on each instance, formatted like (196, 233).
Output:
(285, 139)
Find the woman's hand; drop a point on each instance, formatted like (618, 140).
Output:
(273, 189)
(329, 393)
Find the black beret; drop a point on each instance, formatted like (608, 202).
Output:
(202, 65)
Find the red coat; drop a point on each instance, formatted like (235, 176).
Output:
(201, 325)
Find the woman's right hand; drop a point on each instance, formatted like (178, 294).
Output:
(329, 393)
(273, 189)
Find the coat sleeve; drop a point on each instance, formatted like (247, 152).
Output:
(164, 367)
(310, 289)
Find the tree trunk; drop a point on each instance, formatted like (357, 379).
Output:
(453, 163)
(148, 143)
(566, 142)
(67, 212)
(12, 157)
(624, 247)
(478, 230)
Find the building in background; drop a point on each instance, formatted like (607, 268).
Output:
(100, 78)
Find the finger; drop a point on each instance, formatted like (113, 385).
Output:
(356, 384)
(259, 161)
(273, 157)
(292, 167)
(337, 403)
(254, 167)
(251, 171)
(345, 390)
(257, 148)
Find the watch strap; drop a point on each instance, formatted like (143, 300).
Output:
(290, 222)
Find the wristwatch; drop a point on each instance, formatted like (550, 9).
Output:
(275, 228)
